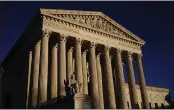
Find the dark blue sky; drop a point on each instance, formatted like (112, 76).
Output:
(152, 21)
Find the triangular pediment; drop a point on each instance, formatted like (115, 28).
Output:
(94, 20)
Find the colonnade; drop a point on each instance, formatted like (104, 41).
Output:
(102, 89)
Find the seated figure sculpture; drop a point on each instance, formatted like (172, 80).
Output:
(74, 85)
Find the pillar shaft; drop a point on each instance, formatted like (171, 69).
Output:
(29, 74)
(93, 77)
(84, 69)
(109, 80)
(78, 62)
(131, 81)
(70, 62)
(142, 82)
(73, 65)
(62, 66)
(54, 71)
(35, 74)
(43, 79)
(116, 88)
(120, 79)
(100, 86)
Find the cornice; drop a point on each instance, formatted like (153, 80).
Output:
(62, 11)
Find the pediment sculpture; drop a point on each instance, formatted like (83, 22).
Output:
(92, 21)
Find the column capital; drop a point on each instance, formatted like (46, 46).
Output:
(71, 48)
(139, 56)
(118, 51)
(55, 45)
(38, 42)
(78, 41)
(30, 52)
(93, 44)
(107, 48)
(46, 33)
(129, 55)
(85, 51)
(99, 54)
(63, 37)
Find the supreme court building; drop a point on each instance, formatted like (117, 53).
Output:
(59, 43)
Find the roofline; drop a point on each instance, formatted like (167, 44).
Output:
(44, 10)
(124, 29)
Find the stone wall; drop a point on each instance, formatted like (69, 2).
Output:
(155, 95)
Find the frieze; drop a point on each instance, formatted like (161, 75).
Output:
(95, 22)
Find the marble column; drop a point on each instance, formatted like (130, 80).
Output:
(43, 78)
(36, 74)
(131, 81)
(84, 71)
(120, 79)
(54, 71)
(73, 65)
(29, 74)
(93, 77)
(62, 65)
(116, 88)
(78, 62)
(100, 86)
(109, 80)
(69, 62)
(142, 82)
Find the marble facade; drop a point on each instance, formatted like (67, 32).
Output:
(95, 48)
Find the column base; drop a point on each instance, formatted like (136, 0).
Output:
(74, 101)
(82, 101)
